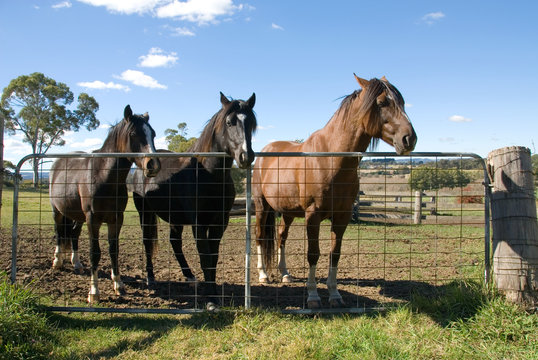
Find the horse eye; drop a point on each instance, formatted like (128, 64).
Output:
(383, 102)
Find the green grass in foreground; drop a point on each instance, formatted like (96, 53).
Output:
(462, 321)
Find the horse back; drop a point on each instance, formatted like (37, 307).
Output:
(294, 185)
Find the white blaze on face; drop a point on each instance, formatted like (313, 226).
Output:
(242, 118)
(149, 138)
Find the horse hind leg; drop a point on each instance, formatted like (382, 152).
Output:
(63, 228)
(312, 228)
(282, 237)
(75, 258)
(265, 237)
(177, 245)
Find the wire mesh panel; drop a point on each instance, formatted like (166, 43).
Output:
(386, 255)
(388, 250)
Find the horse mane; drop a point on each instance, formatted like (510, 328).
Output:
(372, 124)
(119, 131)
(216, 124)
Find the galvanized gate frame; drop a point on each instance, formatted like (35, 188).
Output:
(247, 303)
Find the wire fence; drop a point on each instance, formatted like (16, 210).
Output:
(386, 256)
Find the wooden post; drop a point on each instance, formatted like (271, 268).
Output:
(417, 215)
(514, 224)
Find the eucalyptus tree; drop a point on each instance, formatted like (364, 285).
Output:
(39, 108)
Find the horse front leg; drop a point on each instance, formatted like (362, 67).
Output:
(337, 232)
(264, 237)
(95, 257)
(114, 250)
(148, 222)
(176, 239)
(312, 229)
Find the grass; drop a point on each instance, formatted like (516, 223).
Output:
(461, 321)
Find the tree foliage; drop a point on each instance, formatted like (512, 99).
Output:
(38, 107)
(177, 139)
(428, 178)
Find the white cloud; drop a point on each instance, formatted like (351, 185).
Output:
(447, 140)
(127, 6)
(13, 145)
(140, 79)
(105, 126)
(430, 18)
(99, 85)
(160, 143)
(276, 27)
(157, 58)
(89, 143)
(61, 5)
(459, 119)
(260, 127)
(197, 11)
(180, 31)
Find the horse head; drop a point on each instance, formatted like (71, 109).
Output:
(239, 123)
(140, 139)
(387, 118)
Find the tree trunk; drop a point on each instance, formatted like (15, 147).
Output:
(514, 224)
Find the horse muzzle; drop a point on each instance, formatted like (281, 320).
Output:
(244, 159)
(405, 144)
(152, 166)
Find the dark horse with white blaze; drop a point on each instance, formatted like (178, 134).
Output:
(319, 188)
(198, 191)
(93, 190)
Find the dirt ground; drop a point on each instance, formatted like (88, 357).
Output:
(378, 265)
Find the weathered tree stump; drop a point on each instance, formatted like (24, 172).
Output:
(514, 224)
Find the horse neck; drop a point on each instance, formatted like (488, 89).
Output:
(216, 165)
(113, 169)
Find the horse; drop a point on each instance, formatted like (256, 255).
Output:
(319, 188)
(94, 190)
(198, 191)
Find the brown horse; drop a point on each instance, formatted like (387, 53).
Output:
(319, 188)
(93, 190)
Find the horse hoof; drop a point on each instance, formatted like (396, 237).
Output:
(287, 279)
(313, 304)
(93, 298)
(150, 282)
(337, 303)
(120, 292)
(263, 280)
(192, 281)
(212, 307)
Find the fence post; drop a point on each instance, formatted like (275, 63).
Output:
(514, 224)
(417, 215)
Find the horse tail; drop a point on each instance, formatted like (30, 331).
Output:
(267, 242)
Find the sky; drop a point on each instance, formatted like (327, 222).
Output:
(468, 70)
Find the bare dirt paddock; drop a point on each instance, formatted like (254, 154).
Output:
(381, 263)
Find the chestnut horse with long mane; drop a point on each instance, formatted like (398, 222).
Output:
(319, 188)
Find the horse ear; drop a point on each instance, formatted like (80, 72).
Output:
(362, 82)
(384, 78)
(146, 116)
(251, 101)
(223, 99)
(127, 113)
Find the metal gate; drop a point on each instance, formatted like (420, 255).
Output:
(399, 241)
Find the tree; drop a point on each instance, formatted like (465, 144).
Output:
(427, 178)
(177, 139)
(37, 106)
(534, 160)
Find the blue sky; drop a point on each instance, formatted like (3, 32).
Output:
(467, 69)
